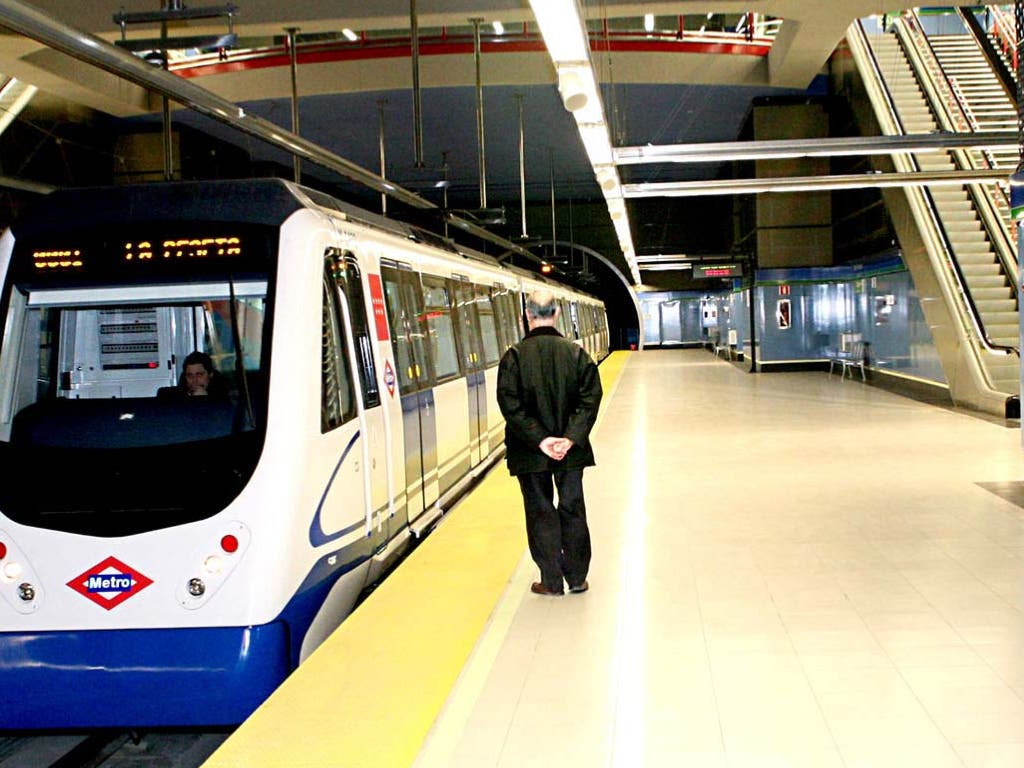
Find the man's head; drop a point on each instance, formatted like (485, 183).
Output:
(541, 308)
(197, 370)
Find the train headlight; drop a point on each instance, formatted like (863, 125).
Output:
(12, 571)
(214, 564)
(26, 592)
(196, 587)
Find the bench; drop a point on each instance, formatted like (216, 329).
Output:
(848, 359)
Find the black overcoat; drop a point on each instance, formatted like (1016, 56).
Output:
(547, 387)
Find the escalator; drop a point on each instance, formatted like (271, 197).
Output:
(956, 239)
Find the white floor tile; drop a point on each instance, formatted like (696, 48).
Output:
(789, 571)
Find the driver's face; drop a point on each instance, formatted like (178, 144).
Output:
(196, 379)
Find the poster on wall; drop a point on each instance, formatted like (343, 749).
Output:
(782, 314)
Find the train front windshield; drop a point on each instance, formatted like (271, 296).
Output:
(100, 431)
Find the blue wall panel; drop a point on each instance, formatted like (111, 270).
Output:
(874, 301)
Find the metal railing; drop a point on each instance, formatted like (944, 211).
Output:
(755, 39)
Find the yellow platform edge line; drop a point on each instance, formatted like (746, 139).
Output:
(370, 694)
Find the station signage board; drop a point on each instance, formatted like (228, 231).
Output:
(701, 271)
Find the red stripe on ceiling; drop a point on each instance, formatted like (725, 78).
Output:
(404, 50)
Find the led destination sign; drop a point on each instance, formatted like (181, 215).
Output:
(142, 250)
(717, 270)
(58, 260)
(184, 248)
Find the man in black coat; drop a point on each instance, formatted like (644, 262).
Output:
(549, 391)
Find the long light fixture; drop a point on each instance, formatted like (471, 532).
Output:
(811, 183)
(565, 35)
(727, 151)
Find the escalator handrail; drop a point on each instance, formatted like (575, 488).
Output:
(1003, 73)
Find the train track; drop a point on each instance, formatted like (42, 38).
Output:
(109, 749)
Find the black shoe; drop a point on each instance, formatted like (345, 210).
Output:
(538, 588)
(582, 587)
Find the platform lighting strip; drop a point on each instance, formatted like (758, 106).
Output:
(565, 35)
(812, 183)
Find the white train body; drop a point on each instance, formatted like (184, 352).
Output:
(165, 559)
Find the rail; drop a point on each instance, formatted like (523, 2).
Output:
(1005, 29)
(754, 38)
(996, 56)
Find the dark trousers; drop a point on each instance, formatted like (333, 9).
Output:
(558, 536)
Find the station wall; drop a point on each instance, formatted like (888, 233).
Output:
(803, 315)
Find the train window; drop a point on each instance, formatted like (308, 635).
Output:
(468, 327)
(409, 332)
(583, 314)
(504, 310)
(89, 391)
(574, 318)
(488, 329)
(337, 399)
(86, 345)
(347, 277)
(564, 323)
(437, 309)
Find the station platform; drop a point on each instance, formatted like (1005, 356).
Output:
(789, 569)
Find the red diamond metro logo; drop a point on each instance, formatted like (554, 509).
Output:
(109, 583)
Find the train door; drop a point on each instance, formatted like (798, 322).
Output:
(347, 281)
(473, 365)
(403, 299)
(489, 339)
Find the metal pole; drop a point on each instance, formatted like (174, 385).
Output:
(417, 100)
(383, 164)
(753, 316)
(481, 153)
(522, 163)
(293, 57)
(444, 189)
(166, 111)
(551, 166)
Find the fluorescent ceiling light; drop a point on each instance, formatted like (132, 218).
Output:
(811, 183)
(561, 25)
(565, 35)
(596, 142)
(724, 151)
(349, 35)
(666, 267)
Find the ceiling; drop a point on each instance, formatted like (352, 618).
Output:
(652, 95)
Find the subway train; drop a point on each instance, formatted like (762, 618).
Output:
(168, 559)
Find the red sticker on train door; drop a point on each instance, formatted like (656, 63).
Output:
(379, 315)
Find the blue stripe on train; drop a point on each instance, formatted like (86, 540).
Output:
(139, 677)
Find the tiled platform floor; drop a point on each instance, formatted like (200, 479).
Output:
(789, 570)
